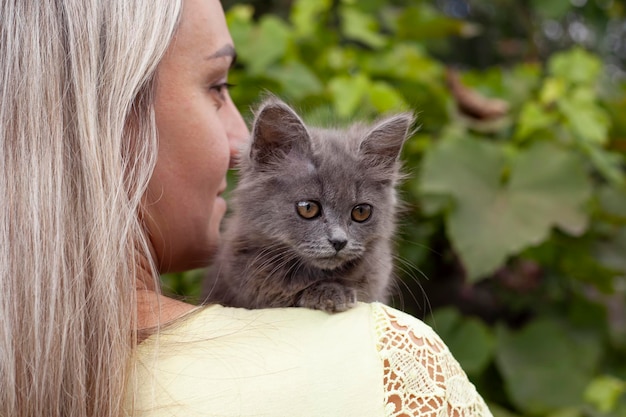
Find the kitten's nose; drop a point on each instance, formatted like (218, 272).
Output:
(338, 243)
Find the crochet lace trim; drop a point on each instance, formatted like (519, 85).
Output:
(421, 377)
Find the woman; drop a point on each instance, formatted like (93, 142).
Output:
(94, 207)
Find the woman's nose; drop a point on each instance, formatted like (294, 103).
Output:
(236, 130)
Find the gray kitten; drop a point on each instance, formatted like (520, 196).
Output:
(313, 215)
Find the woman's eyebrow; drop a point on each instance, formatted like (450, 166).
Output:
(225, 51)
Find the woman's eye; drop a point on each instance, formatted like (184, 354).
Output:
(308, 209)
(361, 212)
(220, 90)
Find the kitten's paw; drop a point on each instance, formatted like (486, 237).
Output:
(328, 296)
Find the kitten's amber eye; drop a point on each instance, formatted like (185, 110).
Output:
(361, 212)
(308, 209)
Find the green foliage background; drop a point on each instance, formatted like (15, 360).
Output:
(513, 244)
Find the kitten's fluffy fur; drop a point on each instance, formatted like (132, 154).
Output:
(271, 255)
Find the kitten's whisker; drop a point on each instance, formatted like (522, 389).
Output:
(279, 261)
(269, 250)
(404, 239)
(265, 251)
(279, 271)
(271, 255)
(286, 259)
(297, 265)
(409, 272)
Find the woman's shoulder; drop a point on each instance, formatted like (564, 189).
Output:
(217, 318)
(384, 327)
(232, 361)
(372, 360)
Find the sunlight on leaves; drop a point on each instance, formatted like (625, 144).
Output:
(264, 44)
(588, 121)
(576, 66)
(359, 26)
(604, 392)
(305, 15)
(348, 92)
(533, 118)
(296, 79)
(385, 98)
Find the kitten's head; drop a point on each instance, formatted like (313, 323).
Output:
(326, 195)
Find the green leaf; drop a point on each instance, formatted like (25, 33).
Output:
(336, 59)
(425, 22)
(579, 263)
(553, 89)
(472, 345)
(470, 340)
(553, 184)
(613, 201)
(588, 121)
(609, 164)
(239, 20)
(499, 411)
(385, 98)
(567, 412)
(296, 79)
(577, 66)
(534, 118)
(305, 15)
(492, 219)
(359, 26)
(610, 252)
(604, 392)
(551, 9)
(545, 366)
(444, 320)
(265, 44)
(348, 93)
(401, 61)
(432, 204)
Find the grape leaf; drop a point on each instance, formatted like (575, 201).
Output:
(491, 219)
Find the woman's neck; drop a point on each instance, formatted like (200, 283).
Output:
(153, 308)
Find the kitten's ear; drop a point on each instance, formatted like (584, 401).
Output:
(383, 143)
(277, 131)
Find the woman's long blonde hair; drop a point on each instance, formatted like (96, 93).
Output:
(77, 148)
